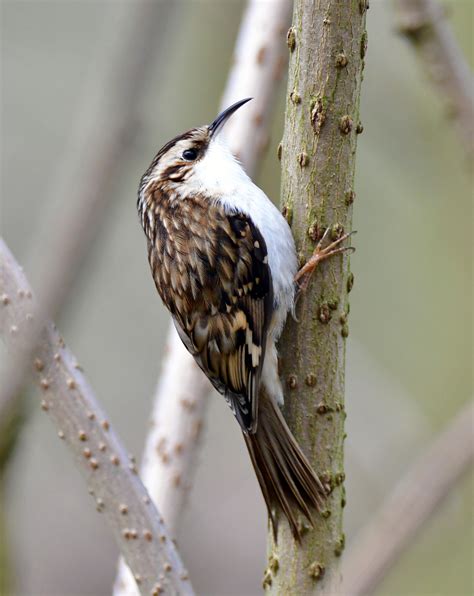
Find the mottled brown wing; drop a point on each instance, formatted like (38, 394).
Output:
(219, 291)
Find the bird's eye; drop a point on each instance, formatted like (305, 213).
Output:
(190, 154)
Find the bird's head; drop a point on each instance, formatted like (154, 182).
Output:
(195, 161)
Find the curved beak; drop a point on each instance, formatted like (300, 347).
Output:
(224, 116)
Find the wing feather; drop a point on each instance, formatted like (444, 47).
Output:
(231, 299)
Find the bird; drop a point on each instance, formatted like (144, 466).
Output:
(224, 263)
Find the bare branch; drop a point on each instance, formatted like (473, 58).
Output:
(101, 134)
(424, 24)
(415, 499)
(170, 450)
(258, 66)
(110, 473)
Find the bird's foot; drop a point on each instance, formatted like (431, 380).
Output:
(320, 254)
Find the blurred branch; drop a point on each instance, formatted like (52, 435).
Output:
(327, 43)
(170, 450)
(171, 445)
(111, 476)
(259, 63)
(423, 23)
(405, 512)
(85, 179)
(180, 399)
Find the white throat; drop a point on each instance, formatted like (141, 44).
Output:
(218, 174)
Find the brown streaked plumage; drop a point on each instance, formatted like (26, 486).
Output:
(224, 261)
(211, 271)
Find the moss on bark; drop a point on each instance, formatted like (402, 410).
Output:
(327, 44)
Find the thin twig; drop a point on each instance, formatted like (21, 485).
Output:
(423, 22)
(415, 499)
(101, 133)
(111, 475)
(180, 399)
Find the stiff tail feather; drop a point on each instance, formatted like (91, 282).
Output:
(286, 478)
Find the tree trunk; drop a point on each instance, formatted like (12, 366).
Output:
(327, 44)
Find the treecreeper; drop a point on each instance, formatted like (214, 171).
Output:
(224, 262)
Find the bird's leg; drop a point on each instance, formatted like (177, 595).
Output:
(320, 254)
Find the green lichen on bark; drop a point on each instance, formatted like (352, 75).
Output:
(318, 160)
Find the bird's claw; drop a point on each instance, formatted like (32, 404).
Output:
(295, 304)
(320, 254)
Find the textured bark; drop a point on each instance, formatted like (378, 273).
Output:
(110, 473)
(327, 44)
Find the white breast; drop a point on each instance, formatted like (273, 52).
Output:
(220, 175)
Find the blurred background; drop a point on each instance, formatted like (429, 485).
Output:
(409, 354)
